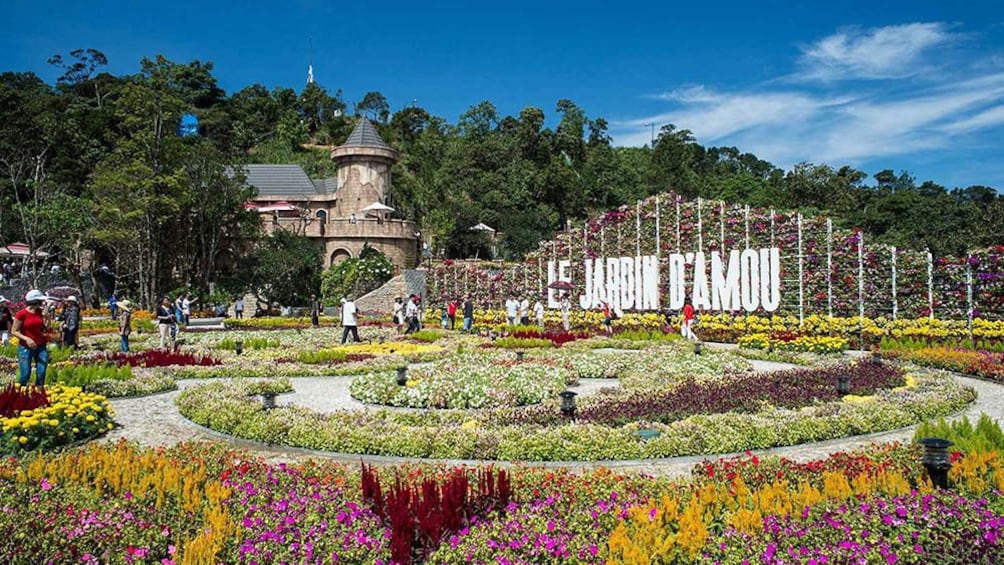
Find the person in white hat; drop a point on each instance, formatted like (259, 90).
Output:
(29, 329)
(6, 321)
(125, 324)
(71, 322)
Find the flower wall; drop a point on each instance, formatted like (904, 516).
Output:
(825, 270)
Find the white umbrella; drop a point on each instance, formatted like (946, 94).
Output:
(482, 227)
(377, 208)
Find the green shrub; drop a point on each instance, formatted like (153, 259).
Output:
(986, 435)
(646, 335)
(426, 336)
(228, 344)
(322, 356)
(522, 343)
(83, 375)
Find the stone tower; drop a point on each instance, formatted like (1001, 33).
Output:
(364, 163)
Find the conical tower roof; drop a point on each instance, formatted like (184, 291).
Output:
(365, 135)
(364, 142)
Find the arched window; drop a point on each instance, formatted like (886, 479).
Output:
(322, 216)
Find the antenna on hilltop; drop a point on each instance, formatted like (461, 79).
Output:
(310, 60)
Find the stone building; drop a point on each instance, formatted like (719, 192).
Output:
(344, 213)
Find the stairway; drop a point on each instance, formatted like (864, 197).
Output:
(381, 300)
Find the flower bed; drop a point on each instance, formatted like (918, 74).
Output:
(154, 358)
(983, 364)
(801, 344)
(745, 393)
(70, 415)
(470, 381)
(201, 503)
(539, 433)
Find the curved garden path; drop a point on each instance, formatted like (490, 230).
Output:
(155, 421)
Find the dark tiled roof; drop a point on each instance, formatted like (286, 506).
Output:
(326, 186)
(365, 135)
(287, 181)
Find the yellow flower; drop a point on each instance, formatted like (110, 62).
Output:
(22, 440)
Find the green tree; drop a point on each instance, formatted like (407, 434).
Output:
(356, 276)
(285, 269)
(375, 106)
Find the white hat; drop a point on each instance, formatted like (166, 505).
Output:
(125, 305)
(36, 295)
(71, 298)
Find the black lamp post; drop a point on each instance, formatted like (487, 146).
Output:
(519, 355)
(402, 376)
(239, 346)
(568, 403)
(268, 400)
(697, 348)
(844, 384)
(877, 357)
(936, 460)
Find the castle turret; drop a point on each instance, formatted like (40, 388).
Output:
(364, 163)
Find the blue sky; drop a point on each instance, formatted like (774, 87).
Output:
(916, 86)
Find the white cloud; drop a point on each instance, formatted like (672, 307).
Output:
(988, 118)
(878, 53)
(850, 123)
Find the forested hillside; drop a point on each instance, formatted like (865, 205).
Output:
(95, 162)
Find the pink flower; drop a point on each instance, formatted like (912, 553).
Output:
(46, 485)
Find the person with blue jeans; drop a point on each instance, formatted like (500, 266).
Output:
(125, 325)
(29, 329)
(468, 315)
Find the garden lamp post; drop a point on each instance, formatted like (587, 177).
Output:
(697, 348)
(519, 355)
(877, 357)
(843, 385)
(936, 460)
(268, 400)
(402, 376)
(239, 346)
(568, 403)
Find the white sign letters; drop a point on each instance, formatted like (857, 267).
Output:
(741, 280)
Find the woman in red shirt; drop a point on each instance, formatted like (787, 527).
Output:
(688, 320)
(29, 329)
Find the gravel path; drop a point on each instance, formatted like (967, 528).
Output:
(154, 421)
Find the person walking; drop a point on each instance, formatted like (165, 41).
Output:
(239, 308)
(451, 312)
(468, 314)
(71, 322)
(6, 321)
(608, 318)
(165, 320)
(179, 314)
(511, 310)
(29, 329)
(113, 306)
(398, 317)
(566, 309)
(125, 325)
(349, 321)
(538, 313)
(411, 314)
(524, 311)
(186, 307)
(687, 327)
(315, 312)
